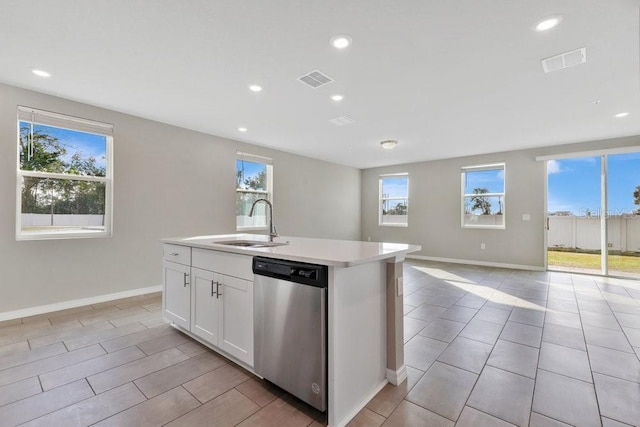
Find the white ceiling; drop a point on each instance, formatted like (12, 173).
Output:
(445, 78)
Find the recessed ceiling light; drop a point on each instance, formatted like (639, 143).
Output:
(340, 41)
(242, 129)
(337, 97)
(41, 73)
(389, 144)
(621, 115)
(255, 88)
(547, 23)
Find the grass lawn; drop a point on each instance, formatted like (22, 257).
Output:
(626, 264)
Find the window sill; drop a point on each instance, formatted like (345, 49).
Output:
(393, 225)
(57, 235)
(485, 227)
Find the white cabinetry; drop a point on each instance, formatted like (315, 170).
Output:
(216, 304)
(176, 298)
(205, 305)
(236, 317)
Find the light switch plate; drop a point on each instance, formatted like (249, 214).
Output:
(526, 217)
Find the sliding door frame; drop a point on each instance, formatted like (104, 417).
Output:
(604, 233)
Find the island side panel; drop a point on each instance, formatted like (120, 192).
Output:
(396, 371)
(357, 338)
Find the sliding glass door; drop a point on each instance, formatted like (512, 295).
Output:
(573, 209)
(593, 214)
(623, 220)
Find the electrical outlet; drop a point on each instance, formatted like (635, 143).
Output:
(483, 246)
(368, 238)
(399, 286)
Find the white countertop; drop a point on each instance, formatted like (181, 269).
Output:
(337, 253)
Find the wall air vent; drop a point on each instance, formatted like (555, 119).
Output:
(564, 60)
(342, 121)
(315, 79)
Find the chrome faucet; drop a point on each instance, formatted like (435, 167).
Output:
(272, 230)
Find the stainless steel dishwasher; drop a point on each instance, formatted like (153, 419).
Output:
(290, 327)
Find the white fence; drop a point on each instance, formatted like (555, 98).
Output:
(492, 220)
(42, 220)
(584, 232)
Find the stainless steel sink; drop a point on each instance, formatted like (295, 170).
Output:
(250, 243)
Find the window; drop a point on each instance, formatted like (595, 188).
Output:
(253, 182)
(64, 176)
(483, 202)
(394, 200)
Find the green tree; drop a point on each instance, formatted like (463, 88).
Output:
(45, 153)
(481, 202)
(636, 198)
(258, 182)
(399, 209)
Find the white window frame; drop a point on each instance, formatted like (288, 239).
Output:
(479, 168)
(268, 194)
(62, 121)
(382, 199)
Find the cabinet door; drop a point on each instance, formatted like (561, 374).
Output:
(236, 317)
(204, 305)
(176, 301)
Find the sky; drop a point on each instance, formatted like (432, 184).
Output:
(492, 180)
(87, 144)
(395, 186)
(574, 184)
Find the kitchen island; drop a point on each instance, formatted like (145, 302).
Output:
(209, 294)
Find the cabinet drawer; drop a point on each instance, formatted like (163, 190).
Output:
(177, 253)
(224, 262)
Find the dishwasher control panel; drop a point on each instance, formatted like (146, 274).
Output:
(308, 274)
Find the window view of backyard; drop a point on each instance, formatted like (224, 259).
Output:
(252, 183)
(575, 214)
(483, 196)
(394, 200)
(63, 177)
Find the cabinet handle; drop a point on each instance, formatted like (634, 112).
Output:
(212, 291)
(174, 254)
(186, 275)
(218, 290)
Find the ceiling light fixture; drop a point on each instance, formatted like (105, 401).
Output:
(255, 88)
(389, 144)
(547, 23)
(340, 41)
(242, 129)
(337, 97)
(621, 115)
(41, 73)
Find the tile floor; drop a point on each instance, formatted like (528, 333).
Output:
(496, 347)
(483, 347)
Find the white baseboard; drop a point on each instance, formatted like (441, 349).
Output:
(397, 377)
(32, 311)
(345, 420)
(482, 263)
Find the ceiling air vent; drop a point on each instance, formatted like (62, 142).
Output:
(315, 79)
(565, 60)
(342, 121)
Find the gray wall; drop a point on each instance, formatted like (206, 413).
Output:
(435, 205)
(168, 182)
